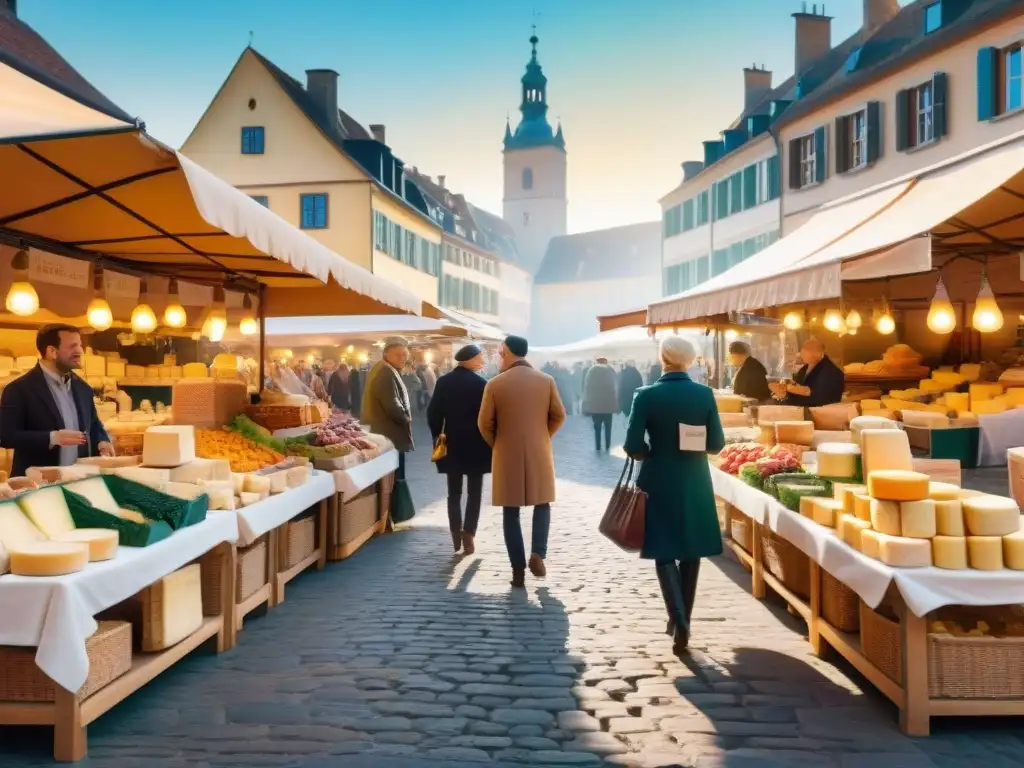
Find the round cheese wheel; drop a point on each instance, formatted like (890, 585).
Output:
(898, 485)
(48, 558)
(943, 491)
(837, 459)
(102, 542)
(991, 516)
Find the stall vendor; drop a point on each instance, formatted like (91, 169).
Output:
(818, 382)
(47, 416)
(751, 379)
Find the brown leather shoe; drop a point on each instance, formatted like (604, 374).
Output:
(518, 578)
(468, 543)
(537, 566)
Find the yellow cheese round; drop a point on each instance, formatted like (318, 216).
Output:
(898, 485)
(16, 530)
(49, 558)
(827, 511)
(885, 517)
(794, 432)
(943, 491)
(949, 518)
(862, 505)
(901, 552)
(991, 516)
(985, 553)
(849, 497)
(917, 519)
(837, 459)
(850, 529)
(102, 542)
(871, 544)
(1013, 551)
(949, 552)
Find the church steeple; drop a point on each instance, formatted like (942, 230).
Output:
(534, 130)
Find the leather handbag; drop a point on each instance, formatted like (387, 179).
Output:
(441, 445)
(623, 520)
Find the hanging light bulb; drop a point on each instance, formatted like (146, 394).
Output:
(885, 324)
(248, 325)
(854, 320)
(730, 334)
(941, 315)
(987, 317)
(852, 331)
(216, 321)
(143, 317)
(794, 321)
(834, 321)
(174, 314)
(98, 313)
(22, 299)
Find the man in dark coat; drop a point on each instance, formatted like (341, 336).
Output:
(654, 374)
(630, 381)
(387, 408)
(818, 382)
(453, 412)
(751, 379)
(48, 416)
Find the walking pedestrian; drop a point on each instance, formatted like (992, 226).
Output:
(387, 409)
(520, 413)
(454, 411)
(339, 387)
(630, 380)
(673, 426)
(599, 400)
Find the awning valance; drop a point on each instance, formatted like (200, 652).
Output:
(335, 331)
(474, 327)
(634, 317)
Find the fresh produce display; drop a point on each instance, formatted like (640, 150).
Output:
(243, 454)
(250, 430)
(341, 429)
(733, 457)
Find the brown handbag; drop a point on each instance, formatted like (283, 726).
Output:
(623, 520)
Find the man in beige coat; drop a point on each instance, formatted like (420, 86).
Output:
(521, 411)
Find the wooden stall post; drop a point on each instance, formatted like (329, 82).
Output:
(818, 644)
(227, 635)
(914, 714)
(263, 336)
(274, 558)
(70, 743)
(324, 512)
(757, 588)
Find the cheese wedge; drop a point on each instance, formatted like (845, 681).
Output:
(898, 485)
(102, 542)
(95, 491)
(48, 510)
(991, 516)
(16, 530)
(169, 446)
(49, 558)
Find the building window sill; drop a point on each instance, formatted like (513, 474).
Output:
(812, 185)
(859, 169)
(922, 146)
(1007, 115)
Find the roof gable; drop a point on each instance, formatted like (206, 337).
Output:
(605, 254)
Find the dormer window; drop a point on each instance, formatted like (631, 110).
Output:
(932, 17)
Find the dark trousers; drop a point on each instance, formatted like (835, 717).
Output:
(513, 531)
(602, 420)
(679, 590)
(474, 493)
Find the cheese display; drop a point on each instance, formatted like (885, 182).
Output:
(729, 403)
(769, 414)
(949, 552)
(242, 454)
(797, 432)
(885, 517)
(48, 510)
(898, 485)
(949, 518)
(151, 477)
(258, 484)
(991, 516)
(943, 491)
(826, 511)
(1013, 551)
(95, 491)
(16, 530)
(862, 505)
(900, 552)
(861, 423)
(201, 470)
(985, 553)
(102, 543)
(917, 519)
(194, 371)
(885, 449)
(208, 403)
(172, 609)
(168, 446)
(847, 493)
(48, 558)
(837, 459)
(116, 369)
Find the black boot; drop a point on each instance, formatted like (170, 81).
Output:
(688, 572)
(675, 605)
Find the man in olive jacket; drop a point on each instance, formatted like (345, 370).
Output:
(386, 407)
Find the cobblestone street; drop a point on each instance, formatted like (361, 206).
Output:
(407, 656)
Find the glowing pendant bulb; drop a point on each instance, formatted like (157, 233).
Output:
(99, 315)
(987, 316)
(853, 320)
(22, 299)
(885, 324)
(248, 325)
(834, 321)
(941, 315)
(794, 321)
(143, 319)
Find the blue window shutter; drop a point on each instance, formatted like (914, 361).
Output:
(749, 187)
(795, 180)
(874, 127)
(903, 119)
(842, 144)
(821, 158)
(988, 80)
(940, 97)
(773, 177)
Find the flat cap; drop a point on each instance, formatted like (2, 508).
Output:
(468, 352)
(517, 345)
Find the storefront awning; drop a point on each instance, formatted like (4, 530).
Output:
(632, 318)
(475, 328)
(333, 331)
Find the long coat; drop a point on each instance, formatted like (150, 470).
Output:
(454, 410)
(599, 390)
(386, 407)
(521, 411)
(630, 381)
(681, 519)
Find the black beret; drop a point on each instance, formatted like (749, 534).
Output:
(468, 352)
(517, 345)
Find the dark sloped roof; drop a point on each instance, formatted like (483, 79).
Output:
(630, 251)
(22, 48)
(461, 224)
(501, 235)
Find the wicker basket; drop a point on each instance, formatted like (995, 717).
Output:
(356, 515)
(386, 487)
(786, 563)
(880, 642)
(274, 417)
(129, 444)
(741, 529)
(300, 541)
(250, 575)
(975, 667)
(840, 605)
(110, 656)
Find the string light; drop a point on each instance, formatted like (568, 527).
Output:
(794, 321)
(143, 317)
(834, 321)
(248, 325)
(854, 320)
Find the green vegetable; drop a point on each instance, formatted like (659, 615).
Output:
(250, 430)
(789, 495)
(751, 475)
(793, 479)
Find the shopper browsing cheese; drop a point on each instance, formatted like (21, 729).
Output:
(818, 382)
(751, 377)
(47, 416)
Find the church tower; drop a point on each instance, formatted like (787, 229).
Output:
(535, 203)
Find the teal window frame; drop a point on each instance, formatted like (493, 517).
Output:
(313, 208)
(253, 140)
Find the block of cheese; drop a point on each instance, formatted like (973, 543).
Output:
(102, 542)
(830, 436)
(278, 482)
(862, 505)
(851, 528)
(201, 469)
(826, 511)
(48, 475)
(807, 506)
(796, 432)
(16, 530)
(904, 553)
(846, 492)
(1013, 551)
(917, 519)
(94, 365)
(897, 485)
(871, 543)
(238, 480)
(985, 553)
(958, 401)
(885, 449)
(183, 490)
(168, 446)
(48, 558)
(837, 459)
(176, 372)
(949, 518)
(194, 371)
(259, 484)
(115, 369)
(948, 378)
(296, 476)
(221, 498)
(988, 407)
(249, 499)
(970, 371)
(984, 391)
(861, 423)
(950, 552)
(870, 404)
(165, 372)
(48, 510)
(25, 362)
(152, 372)
(885, 517)
(943, 491)
(991, 516)
(926, 419)
(1015, 397)
(151, 477)
(172, 609)
(733, 420)
(134, 372)
(729, 403)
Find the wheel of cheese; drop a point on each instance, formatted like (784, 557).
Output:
(991, 516)
(885, 517)
(871, 544)
(49, 558)
(901, 552)
(850, 529)
(985, 553)
(862, 505)
(845, 493)
(837, 459)
(1013, 551)
(898, 485)
(943, 491)
(950, 552)
(885, 449)
(16, 530)
(797, 432)
(102, 542)
(917, 519)
(949, 518)
(827, 511)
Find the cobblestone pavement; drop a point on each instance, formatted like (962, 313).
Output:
(405, 657)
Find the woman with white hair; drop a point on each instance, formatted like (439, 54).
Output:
(673, 426)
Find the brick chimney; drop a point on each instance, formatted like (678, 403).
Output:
(878, 12)
(379, 132)
(757, 83)
(322, 87)
(440, 181)
(813, 37)
(12, 4)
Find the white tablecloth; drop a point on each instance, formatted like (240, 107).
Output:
(55, 614)
(349, 482)
(258, 518)
(750, 501)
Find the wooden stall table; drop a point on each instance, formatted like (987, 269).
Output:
(54, 615)
(359, 507)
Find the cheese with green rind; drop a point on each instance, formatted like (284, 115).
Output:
(16, 530)
(95, 491)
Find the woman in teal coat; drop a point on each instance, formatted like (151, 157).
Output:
(673, 426)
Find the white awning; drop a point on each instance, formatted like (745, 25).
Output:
(476, 328)
(331, 331)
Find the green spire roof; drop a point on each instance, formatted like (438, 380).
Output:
(534, 130)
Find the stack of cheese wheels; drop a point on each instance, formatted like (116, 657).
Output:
(839, 461)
